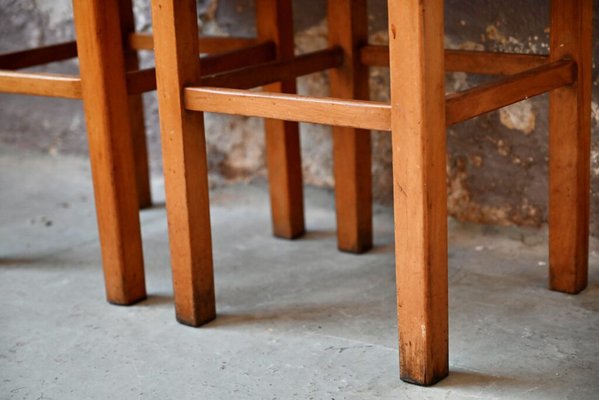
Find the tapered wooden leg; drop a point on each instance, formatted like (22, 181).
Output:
(274, 20)
(348, 28)
(110, 146)
(419, 162)
(136, 111)
(569, 149)
(184, 157)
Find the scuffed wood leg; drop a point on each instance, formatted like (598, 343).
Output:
(348, 28)
(110, 147)
(274, 20)
(184, 157)
(419, 173)
(136, 111)
(569, 149)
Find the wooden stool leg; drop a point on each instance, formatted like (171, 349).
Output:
(274, 21)
(185, 166)
(569, 148)
(108, 127)
(419, 172)
(136, 111)
(348, 28)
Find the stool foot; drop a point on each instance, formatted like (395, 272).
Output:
(105, 103)
(274, 22)
(420, 192)
(569, 149)
(185, 165)
(348, 28)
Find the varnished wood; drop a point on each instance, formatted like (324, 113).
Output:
(144, 80)
(185, 165)
(474, 62)
(40, 84)
(274, 22)
(239, 58)
(208, 44)
(276, 71)
(110, 146)
(420, 194)
(353, 113)
(38, 56)
(494, 95)
(348, 28)
(570, 148)
(136, 111)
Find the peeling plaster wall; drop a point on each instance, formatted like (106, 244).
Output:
(497, 164)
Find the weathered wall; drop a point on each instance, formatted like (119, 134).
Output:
(497, 165)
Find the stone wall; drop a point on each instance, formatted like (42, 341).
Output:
(497, 164)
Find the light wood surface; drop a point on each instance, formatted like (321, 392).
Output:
(420, 194)
(348, 28)
(40, 84)
(331, 111)
(110, 146)
(184, 159)
(570, 148)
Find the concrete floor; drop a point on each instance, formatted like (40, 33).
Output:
(297, 320)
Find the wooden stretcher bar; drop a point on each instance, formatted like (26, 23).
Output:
(276, 71)
(290, 107)
(38, 56)
(40, 84)
(512, 89)
(474, 62)
(144, 80)
(374, 115)
(208, 44)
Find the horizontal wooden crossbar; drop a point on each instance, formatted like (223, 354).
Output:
(474, 62)
(374, 115)
(208, 44)
(277, 71)
(145, 80)
(494, 95)
(40, 84)
(358, 114)
(38, 56)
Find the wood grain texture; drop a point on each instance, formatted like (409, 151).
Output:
(348, 28)
(38, 56)
(276, 71)
(208, 44)
(420, 194)
(110, 146)
(40, 84)
(144, 80)
(325, 110)
(494, 95)
(473, 62)
(570, 148)
(274, 22)
(136, 111)
(184, 159)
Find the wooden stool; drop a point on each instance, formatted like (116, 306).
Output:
(110, 86)
(417, 117)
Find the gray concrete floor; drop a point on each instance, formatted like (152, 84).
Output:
(297, 320)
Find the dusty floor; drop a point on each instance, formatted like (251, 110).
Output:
(296, 319)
